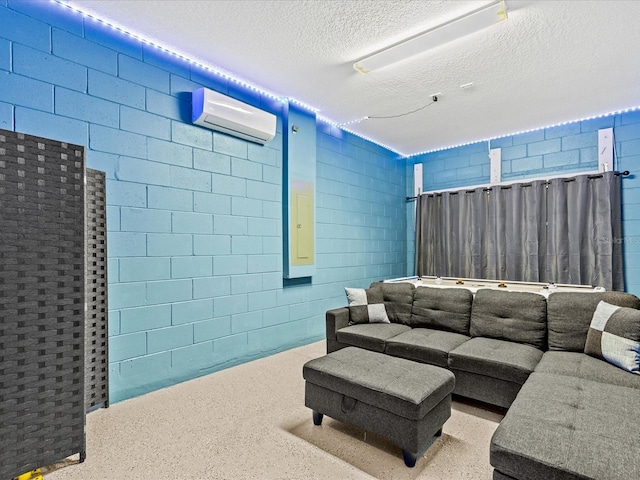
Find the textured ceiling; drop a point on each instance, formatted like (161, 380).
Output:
(551, 62)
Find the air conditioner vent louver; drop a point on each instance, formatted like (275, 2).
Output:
(219, 112)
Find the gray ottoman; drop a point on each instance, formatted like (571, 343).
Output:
(404, 401)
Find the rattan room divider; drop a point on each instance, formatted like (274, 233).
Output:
(42, 302)
(96, 323)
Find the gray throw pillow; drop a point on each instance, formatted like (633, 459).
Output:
(614, 336)
(366, 306)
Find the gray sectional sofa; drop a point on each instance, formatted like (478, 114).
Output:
(570, 415)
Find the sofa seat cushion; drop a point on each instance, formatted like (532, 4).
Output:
(581, 365)
(495, 358)
(513, 316)
(370, 336)
(425, 345)
(563, 427)
(442, 308)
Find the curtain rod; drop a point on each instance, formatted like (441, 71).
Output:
(618, 174)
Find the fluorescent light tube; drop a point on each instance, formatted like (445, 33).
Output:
(459, 27)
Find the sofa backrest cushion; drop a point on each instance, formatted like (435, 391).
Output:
(398, 299)
(442, 308)
(514, 316)
(569, 315)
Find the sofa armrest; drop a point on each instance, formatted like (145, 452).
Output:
(336, 319)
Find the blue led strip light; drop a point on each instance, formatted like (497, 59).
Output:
(341, 126)
(213, 70)
(175, 54)
(625, 110)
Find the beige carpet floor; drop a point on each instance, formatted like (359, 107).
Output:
(250, 422)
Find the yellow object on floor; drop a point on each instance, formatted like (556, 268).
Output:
(34, 475)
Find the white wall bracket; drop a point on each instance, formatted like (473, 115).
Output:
(417, 179)
(605, 149)
(495, 155)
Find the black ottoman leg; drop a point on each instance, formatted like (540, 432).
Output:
(409, 459)
(438, 433)
(317, 418)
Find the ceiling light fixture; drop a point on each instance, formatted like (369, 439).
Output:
(459, 27)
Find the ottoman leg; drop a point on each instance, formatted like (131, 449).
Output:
(409, 459)
(317, 418)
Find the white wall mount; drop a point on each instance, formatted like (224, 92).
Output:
(417, 179)
(605, 149)
(495, 155)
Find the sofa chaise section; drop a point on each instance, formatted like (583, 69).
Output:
(568, 428)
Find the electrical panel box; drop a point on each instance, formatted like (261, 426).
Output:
(302, 220)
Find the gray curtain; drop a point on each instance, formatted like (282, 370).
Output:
(457, 255)
(516, 232)
(585, 231)
(427, 216)
(562, 231)
(449, 229)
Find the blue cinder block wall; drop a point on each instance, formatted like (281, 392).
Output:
(560, 150)
(194, 216)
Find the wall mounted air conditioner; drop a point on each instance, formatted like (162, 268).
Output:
(219, 112)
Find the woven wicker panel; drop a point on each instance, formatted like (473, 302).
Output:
(96, 334)
(42, 414)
